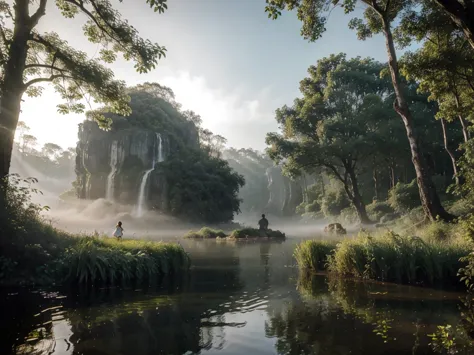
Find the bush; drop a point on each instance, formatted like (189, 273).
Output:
(312, 207)
(462, 207)
(313, 254)
(349, 215)
(334, 202)
(389, 217)
(404, 197)
(376, 210)
(440, 232)
(205, 233)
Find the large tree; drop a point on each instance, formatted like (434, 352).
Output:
(379, 16)
(29, 57)
(337, 123)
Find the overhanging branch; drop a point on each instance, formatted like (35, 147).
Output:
(81, 6)
(41, 80)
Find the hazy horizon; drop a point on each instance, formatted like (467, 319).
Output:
(226, 61)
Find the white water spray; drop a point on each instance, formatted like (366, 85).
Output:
(109, 193)
(141, 192)
(160, 148)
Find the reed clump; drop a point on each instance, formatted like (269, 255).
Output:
(111, 261)
(387, 257)
(314, 254)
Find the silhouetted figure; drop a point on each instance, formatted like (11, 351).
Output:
(263, 223)
(118, 230)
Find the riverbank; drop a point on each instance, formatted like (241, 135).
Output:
(80, 259)
(386, 256)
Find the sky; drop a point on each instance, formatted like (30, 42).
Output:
(225, 60)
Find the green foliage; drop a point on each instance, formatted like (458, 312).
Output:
(349, 216)
(312, 207)
(334, 202)
(335, 126)
(378, 209)
(154, 108)
(314, 254)
(112, 261)
(404, 197)
(204, 188)
(446, 338)
(256, 233)
(205, 233)
(440, 231)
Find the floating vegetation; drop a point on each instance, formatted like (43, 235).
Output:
(243, 233)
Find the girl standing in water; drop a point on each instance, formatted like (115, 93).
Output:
(118, 230)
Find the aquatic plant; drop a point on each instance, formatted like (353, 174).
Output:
(110, 261)
(205, 233)
(314, 254)
(388, 257)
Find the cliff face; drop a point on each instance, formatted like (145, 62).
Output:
(123, 163)
(285, 194)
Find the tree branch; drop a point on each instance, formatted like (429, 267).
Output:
(45, 66)
(38, 14)
(40, 80)
(80, 5)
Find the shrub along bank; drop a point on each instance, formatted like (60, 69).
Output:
(386, 257)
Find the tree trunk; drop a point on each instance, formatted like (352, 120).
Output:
(465, 131)
(355, 197)
(376, 189)
(13, 87)
(428, 194)
(450, 153)
(462, 15)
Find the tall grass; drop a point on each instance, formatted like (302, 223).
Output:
(387, 257)
(314, 254)
(110, 261)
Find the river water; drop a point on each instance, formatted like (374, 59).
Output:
(239, 298)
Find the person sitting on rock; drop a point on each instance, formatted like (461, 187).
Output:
(118, 231)
(263, 223)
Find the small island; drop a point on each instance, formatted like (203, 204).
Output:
(237, 234)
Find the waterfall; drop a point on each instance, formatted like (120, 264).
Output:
(141, 192)
(109, 192)
(160, 148)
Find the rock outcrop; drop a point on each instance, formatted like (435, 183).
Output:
(113, 164)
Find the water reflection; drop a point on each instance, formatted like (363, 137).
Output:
(239, 298)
